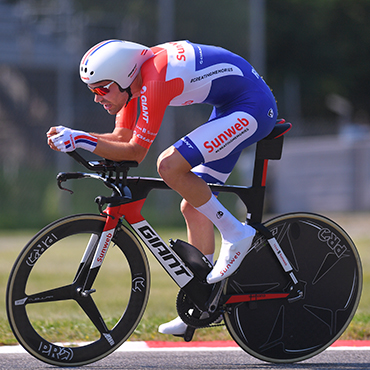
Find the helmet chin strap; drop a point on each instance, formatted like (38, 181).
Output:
(129, 92)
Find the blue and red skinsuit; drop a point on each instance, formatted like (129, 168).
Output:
(183, 73)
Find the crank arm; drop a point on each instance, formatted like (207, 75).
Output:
(215, 296)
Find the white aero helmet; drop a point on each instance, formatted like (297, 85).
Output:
(115, 60)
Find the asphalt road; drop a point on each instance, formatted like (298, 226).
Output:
(188, 360)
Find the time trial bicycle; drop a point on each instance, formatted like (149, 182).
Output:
(294, 294)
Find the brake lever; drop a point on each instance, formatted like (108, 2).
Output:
(66, 189)
(60, 179)
(64, 176)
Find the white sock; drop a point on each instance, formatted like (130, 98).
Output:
(231, 229)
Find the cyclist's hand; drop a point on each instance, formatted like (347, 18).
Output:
(67, 140)
(53, 131)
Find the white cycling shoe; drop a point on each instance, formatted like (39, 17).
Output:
(178, 327)
(230, 258)
(174, 327)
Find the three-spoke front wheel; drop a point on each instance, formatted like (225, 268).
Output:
(44, 297)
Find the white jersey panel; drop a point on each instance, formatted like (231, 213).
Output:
(197, 83)
(197, 88)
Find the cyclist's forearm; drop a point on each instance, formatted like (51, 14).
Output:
(119, 134)
(119, 151)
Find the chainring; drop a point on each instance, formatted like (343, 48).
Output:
(191, 315)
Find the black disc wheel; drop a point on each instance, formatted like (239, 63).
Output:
(326, 263)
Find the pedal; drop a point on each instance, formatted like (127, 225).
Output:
(189, 333)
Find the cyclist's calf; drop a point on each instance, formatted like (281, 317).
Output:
(200, 229)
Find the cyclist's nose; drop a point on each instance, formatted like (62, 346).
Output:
(98, 98)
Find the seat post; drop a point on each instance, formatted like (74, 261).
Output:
(266, 149)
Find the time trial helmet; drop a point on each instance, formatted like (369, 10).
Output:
(116, 60)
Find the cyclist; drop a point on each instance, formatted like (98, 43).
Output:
(122, 74)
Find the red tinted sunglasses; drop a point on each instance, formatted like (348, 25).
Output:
(101, 90)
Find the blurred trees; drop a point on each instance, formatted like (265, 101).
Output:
(326, 44)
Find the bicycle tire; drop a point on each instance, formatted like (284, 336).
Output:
(45, 259)
(322, 256)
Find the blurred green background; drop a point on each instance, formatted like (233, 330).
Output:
(314, 54)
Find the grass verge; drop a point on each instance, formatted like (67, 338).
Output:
(161, 305)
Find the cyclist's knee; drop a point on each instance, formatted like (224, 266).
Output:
(171, 164)
(164, 163)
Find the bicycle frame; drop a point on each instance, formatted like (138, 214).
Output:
(137, 189)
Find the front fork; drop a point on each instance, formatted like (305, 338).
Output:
(96, 251)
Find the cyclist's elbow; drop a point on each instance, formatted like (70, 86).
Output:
(118, 152)
(138, 152)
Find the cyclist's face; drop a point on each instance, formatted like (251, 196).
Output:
(114, 100)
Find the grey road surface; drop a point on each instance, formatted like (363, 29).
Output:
(200, 360)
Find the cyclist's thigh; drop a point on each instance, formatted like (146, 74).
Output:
(217, 172)
(217, 143)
